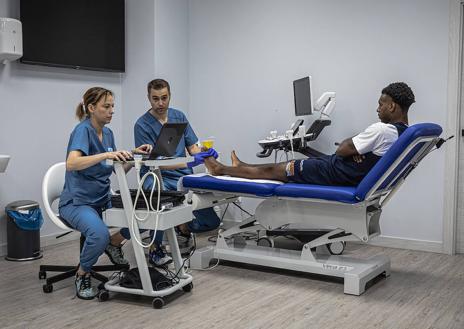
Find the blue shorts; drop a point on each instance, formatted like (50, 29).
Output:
(310, 171)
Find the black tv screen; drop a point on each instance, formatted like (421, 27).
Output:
(80, 34)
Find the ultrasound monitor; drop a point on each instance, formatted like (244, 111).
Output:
(303, 96)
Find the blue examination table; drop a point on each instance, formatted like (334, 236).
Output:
(346, 213)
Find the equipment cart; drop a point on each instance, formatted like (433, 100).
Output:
(168, 219)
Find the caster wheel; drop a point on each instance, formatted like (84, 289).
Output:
(188, 287)
(265, 242)
(157, 302)
(47, 288)
(42, 275)
(103, 295)
(336, 248)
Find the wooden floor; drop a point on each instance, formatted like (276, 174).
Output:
(425, 290)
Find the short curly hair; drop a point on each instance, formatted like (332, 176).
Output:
(401, 94)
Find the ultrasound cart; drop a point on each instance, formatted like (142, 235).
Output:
(168, 219)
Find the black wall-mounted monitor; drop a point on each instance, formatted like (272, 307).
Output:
(303, 96)
(80, 34)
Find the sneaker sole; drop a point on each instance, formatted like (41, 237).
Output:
(85, 298)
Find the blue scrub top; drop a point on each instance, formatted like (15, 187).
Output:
(146, 131)
(90, 186)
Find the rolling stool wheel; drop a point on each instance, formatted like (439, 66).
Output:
(103, 295)
(47, 288)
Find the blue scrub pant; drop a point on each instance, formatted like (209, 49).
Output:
(88, 221)
(204, 219)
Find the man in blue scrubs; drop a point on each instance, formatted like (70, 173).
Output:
(146, 131)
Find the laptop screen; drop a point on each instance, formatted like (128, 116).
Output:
(168, 140)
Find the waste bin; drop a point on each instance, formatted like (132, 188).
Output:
(24, 220)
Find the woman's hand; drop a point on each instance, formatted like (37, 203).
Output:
(144, 149)
(119, 155)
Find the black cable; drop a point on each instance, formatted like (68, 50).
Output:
(224, 213)
(174, 277)
(213, 238)
(242, 209)
(192, 250)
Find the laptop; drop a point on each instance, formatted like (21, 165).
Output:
(167, 141)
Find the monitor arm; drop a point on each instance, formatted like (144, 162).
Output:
(325, 104)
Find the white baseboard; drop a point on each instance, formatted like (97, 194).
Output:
(47, 240)
(380, 241)
(412, 244)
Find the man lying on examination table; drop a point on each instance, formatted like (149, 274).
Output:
(353, 158)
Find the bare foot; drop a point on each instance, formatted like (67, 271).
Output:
(214, 167)
(235, 160)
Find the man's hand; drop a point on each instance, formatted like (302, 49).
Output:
(358, 158)
(346, 149)
(212, 153)
(199, 157)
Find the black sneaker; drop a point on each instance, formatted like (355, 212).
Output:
(115, 255)
(84, 289)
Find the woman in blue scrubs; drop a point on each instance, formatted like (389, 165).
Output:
(86, 192)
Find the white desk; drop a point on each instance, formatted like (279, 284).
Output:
(167, 221)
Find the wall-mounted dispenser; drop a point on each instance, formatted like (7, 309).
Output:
(11, 39)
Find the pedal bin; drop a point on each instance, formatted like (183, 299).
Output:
(23, 244)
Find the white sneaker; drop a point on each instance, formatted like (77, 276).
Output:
(158, 258)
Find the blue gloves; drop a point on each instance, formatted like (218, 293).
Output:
(212, 153)
(199, 158)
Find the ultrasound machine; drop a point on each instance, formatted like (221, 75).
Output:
(297, 137)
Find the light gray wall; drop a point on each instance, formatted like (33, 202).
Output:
(156, 47)
(37, 106)
(172, 49)
(244, 56)
(140, 62)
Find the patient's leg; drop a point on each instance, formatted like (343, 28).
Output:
(236, 162)
(265, 171)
